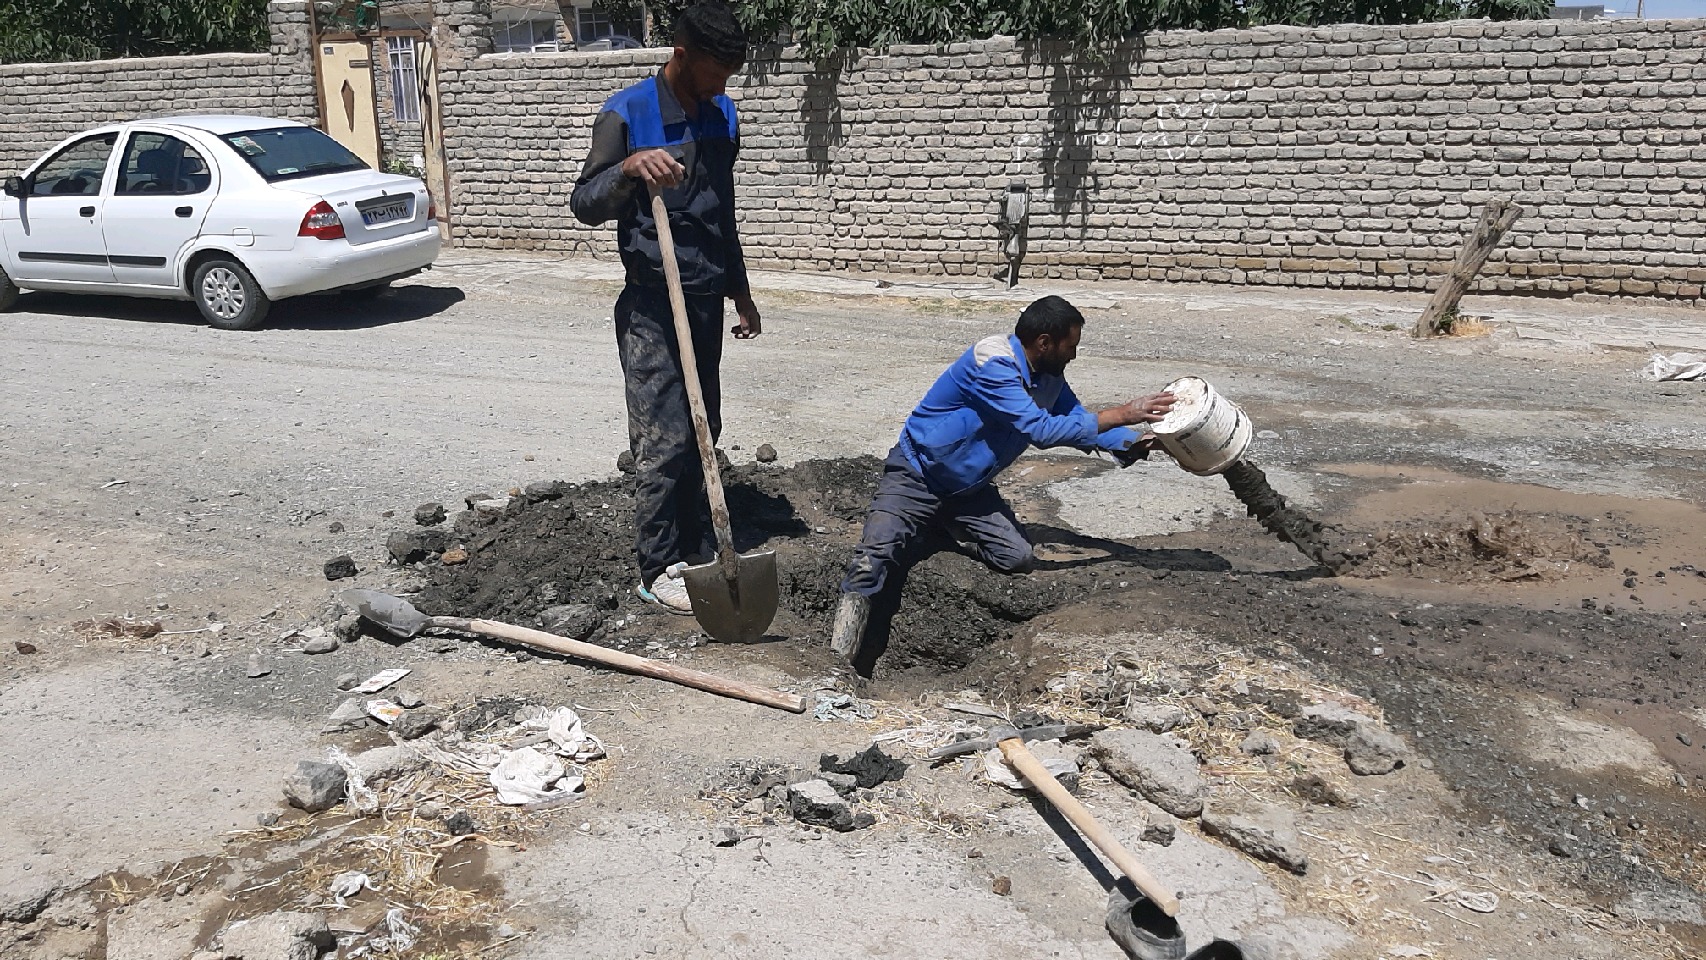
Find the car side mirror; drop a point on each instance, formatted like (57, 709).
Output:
(14, 187)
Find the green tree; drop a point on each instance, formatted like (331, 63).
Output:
(825, 25)
(47, 30)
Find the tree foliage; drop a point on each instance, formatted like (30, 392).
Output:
(47, 30)
(825, 25)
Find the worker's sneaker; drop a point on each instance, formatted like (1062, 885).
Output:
(669, 591)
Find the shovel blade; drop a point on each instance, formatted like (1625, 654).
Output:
(396, 615)
(740, 615)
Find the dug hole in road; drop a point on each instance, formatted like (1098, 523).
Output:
(1486, 738)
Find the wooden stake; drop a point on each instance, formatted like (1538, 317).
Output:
(1495, 220)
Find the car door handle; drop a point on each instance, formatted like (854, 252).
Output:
(183, 211)
(86, 211)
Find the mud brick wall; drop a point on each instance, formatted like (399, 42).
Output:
(1344, 156)
(43, 103)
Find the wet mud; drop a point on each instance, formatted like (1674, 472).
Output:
(1315, 539)
(579, 548)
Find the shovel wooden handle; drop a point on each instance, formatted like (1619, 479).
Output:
(627, 662)
(1032, 769)
(726, 555)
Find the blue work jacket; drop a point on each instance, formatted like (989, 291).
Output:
(987, 409)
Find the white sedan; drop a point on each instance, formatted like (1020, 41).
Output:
(231, 212)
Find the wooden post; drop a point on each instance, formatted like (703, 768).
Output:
(1495, 220)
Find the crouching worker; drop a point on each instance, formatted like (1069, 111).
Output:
(1001, 397)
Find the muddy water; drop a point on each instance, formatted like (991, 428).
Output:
(1250, 485)
(1642, 554)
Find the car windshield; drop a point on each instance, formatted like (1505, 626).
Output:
(285, 153)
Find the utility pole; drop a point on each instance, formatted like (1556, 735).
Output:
(1640, 9)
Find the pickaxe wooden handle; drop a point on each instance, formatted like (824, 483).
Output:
(1032, 769)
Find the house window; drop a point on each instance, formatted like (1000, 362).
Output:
(593, 24)
(405, 81)
(525, 36)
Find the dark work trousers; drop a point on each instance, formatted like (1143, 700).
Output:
(904, 513)
(672, 517)
(906, 523)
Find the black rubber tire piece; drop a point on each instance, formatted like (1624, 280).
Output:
(8, 292)
(228, 296)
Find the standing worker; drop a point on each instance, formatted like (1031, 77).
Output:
(1001, 397)
(678, 132)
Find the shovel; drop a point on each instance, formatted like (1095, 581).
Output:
(734, 596)
(400, 618)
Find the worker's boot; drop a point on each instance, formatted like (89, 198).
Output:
(850, 617)
(1143, 930)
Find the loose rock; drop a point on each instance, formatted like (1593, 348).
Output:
(408, 699)
(417, 723)
(348, 628)
(413, 546)
(625, 461)
(727, 836)
(278, 936)
(315, 786)
(340, 567)
(1266, 833)
(1157, 717)
(816, 802)
(453, 556)
(460, 824)
(1260, 744)
(348, 680)
(350, 715)
(766, 453)
(23, 646)
(1369, 748)
(23, 903)
(430, 514)
(540, 490)
(1158, 767)
(1160, 834)
(320, 645)
(1314, 789)
(256, 668)
(387, 763)
(578, 621)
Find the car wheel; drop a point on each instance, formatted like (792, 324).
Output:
(8, 291)
(228, 296)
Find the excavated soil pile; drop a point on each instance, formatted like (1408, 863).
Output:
(574, 543)
(1511, 545)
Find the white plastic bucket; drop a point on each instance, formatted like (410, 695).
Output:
(1205, 432)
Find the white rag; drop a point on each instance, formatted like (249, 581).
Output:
(566, 730)
(528, 776)
(1677, 366)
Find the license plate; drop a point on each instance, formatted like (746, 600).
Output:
(385, 213)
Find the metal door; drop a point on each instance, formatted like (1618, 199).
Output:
(346, 92)
(57, 232)
(161, 191)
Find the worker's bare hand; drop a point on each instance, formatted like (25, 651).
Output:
(656, 167)
(750, 325)
(1150, 409)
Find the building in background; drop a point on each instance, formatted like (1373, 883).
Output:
(1591, 11)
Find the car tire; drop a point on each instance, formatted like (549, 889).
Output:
(8, 292)
(228, 296)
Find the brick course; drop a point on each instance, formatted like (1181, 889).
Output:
(1344, 156)
(43, 103)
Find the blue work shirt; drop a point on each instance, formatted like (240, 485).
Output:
(701, 208)
(987, 409)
